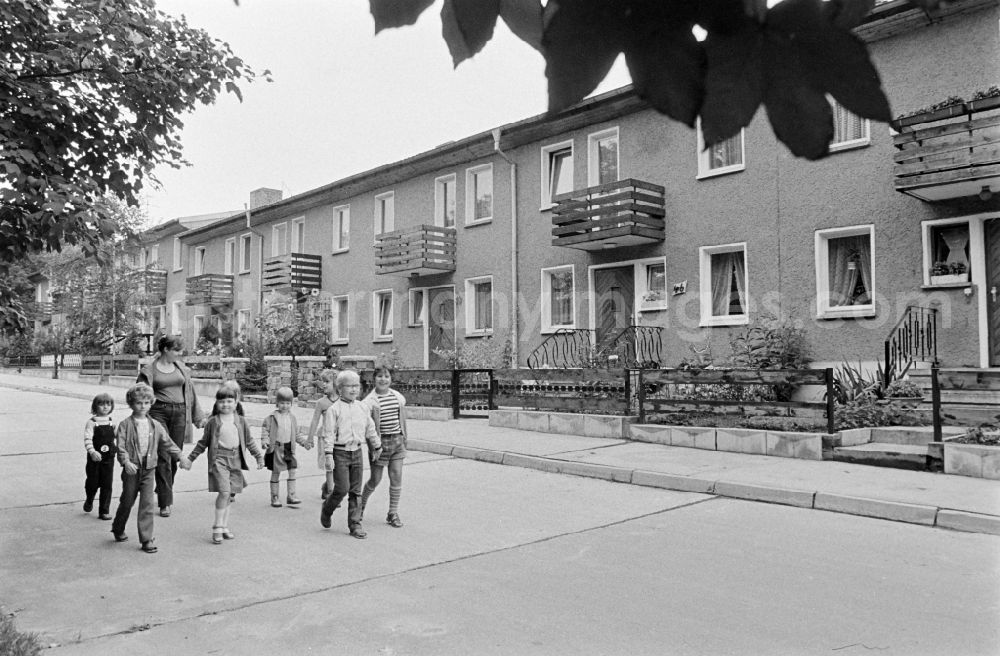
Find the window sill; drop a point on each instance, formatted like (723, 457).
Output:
(551, 330)
(243, 273)
(382, 339)
(850, 145)
(726, 170)
(953, 285)
(177, 270)
(340, 250)
(339, 342)
(414, 325)
(653, 308)
(864, 312)
(472, 224)
(480, 333)
(732, 320)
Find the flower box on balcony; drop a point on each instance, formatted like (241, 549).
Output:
(940, 114)
(983, 104)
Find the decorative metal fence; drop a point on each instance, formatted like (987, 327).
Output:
(594, 391)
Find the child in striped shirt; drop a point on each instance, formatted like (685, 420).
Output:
(387, 408)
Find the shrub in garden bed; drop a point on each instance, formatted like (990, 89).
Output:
(987, 435)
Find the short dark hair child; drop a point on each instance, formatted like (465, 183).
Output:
(100, 399)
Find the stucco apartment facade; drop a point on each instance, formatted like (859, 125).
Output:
(608, 215)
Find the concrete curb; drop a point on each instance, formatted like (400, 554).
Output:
(960, 520)
(896, 511)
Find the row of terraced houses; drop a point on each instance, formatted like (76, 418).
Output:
(608, 218)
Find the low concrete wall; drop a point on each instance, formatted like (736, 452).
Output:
(806, 446)
(975, 460)
(43, 372)
(564, 423)
(202, 386)
(427, 413)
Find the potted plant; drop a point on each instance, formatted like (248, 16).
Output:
(983, 100)
(949, 273)
(947, 108)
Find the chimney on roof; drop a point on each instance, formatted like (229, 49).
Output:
(264, 196)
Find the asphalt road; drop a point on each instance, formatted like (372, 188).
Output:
(492, 560)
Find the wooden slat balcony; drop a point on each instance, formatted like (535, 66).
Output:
(954, 157)
(293, 272)
(613, 215)
(154, 282)
(209, 289)
(40, 310)
(421, 251)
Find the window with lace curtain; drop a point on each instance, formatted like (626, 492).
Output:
(721, 158)
(382, 310)
(557, 171)
(243, 324)
(723, 284)
(415, 316)
(479, 306)
(849, 130)
(557, 299)
(844, 266)
(947, 252)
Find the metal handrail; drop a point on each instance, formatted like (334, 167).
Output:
(566, 348)
(635, 347)
(912, 339)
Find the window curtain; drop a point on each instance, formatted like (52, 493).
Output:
(561, 298)
(484, 306)
(385, 314)
(722, 280)
(740, 274)
(560, 172)
(726, 153)
(341, 319)
(418, 307)
(846, 126)
(607, 161)
(844, 278)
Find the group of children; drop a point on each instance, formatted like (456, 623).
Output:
(340, 423)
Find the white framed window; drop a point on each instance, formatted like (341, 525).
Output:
(178, 254)
(245, 253)
(844, 272)
(199, 260)
(176, 321)
(230, 256)
(558, 298)
(653, 286)
(849, 130)
(340, 320)
(382, 319)
(199, 325)
(557, 171)
(444, 201)
(724, 280)
(154, 256)
(242, 324)
(154, 319)
(479, 194)
(947, 252)
(385, 213)
(416, 298)
(602, 157)
(279, 239)
(479, 306)
(341, 228)
(724, 157)
(298, 244)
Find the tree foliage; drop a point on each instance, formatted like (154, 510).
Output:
(91, 98)
(787, 57)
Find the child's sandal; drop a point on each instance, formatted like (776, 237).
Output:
(392, 519)
(217, 535)
(227, 534)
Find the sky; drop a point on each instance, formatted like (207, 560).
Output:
(343, 100)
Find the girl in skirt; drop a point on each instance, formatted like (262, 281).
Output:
(226, 437)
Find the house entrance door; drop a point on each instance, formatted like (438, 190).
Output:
(614, 298)
(440, 325)
(992, 239)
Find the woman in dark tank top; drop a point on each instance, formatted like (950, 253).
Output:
(176, 407)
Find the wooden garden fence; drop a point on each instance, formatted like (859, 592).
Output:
(593, 391)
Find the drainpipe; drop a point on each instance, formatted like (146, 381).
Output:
(260, 265)
(513, 249)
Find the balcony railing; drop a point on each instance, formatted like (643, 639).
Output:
(154, 282)
(950, 156)
(613, 215)
(294, 272)
(209, 289)
(421, 251)
(40, 310)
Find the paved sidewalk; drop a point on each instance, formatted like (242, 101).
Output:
(931, 499)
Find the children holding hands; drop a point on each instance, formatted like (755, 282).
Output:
(226, 437)
(278, 436)
(99, 441)
(388, 410)
(329, 379)
(141, 443)
(346, 423)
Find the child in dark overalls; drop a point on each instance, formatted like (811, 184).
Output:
(99, 440)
